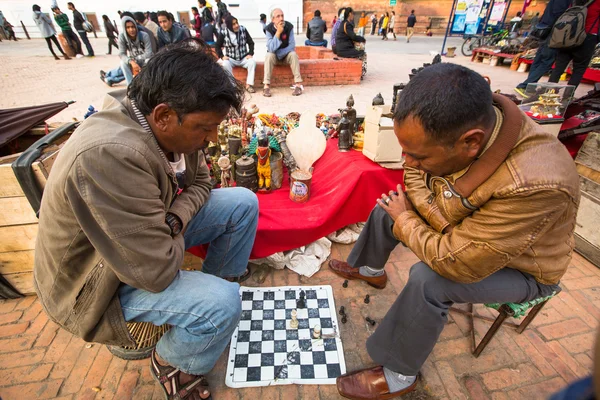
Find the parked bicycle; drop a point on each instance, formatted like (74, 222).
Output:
(475, 41)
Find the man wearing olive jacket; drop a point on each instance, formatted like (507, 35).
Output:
(128, 194)
(489, 209)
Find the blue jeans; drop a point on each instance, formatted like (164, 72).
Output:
(317, 44)
(114, 76)
(544, 58)
(202, 308)
(86, 41)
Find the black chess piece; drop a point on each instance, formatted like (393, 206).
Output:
(370, 321)
(345, 284)
(301, 303)
(344, 320)
(367, 299)
(342, 310)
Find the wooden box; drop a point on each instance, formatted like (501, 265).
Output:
(380, 144)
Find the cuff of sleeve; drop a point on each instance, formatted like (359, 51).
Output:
(179, 214)
(402, 225)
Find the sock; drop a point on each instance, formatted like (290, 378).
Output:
(396, 381)
(368, 271)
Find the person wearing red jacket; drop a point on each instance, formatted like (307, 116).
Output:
(581, 55)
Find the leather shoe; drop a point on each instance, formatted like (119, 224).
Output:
(345, 270)
(368, 384)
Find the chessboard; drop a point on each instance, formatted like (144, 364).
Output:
(265, 350)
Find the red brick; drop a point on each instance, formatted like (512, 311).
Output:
(21, 358)
(58, 346)
(574, 273)
(578, 344)
(96, 372)
(476, 391)
(13, 329)
(432, 381)
(47, 336)
(110, 383)
(551, 357)
(143, 392)
(580, 283)
(80, 369)
(325, 392)
(588, 312)
(32, 312)
(565, 328)
(36, 326)
(487, 361)
(10, 317)
(508, 377)
(453, 388)
(451, 348)
(127, 384)
(577, 368)
(16, 344)
(500, 396)
(585, 361)
(16, 376)
(25, 302)
(38, 390)
(67, 361)
(539, 391)
(535, 356)
(8, 305)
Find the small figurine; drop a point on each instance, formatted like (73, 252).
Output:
(351, 115)
(317, 332)
(288, 158)
(264, 165)
(225, 165)
(301, 302)
(378, 100)
(344, 141)
(294, 320)
(547, 105)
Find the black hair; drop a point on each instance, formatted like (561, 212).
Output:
(105, 17)
(164, 13)
(340, 11)
(139, 16)
(187, 77)
(202, 3)
(36, 8)
(154, 17)
(317, 13)
(71, 4)
(448, 100)
(263, 16)
(412, 11)
(127, 14)
(195, 9)
(347, 12)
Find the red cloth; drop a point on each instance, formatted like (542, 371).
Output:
(592, 22)
(344, 189)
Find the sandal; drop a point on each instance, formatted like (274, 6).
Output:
(167, 374)
(241, 278)
(267, 92)
(250, 89)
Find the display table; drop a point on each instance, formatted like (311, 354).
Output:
(479, 54)
(344, 189)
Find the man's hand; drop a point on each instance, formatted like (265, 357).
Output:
(249, 56)
(395, 203)
(135, 68)
(225, 58)
(280, 26)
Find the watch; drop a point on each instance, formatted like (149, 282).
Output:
(174, 223)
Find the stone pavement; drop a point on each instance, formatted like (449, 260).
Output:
(40, 361)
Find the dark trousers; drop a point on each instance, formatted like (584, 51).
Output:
(73, 41)
(86, 41)
(542, 63)
(112, 42)
(49, 41)
(581, 56)
(374, 26)
(410, 329)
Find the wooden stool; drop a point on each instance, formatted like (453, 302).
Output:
(145, 335)
(505, 310)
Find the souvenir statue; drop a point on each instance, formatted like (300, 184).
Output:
(213, 151)
(547, 105)
(288, 159)
(344, 141)
(263, 167)
(225, 165)
(378, 100)
(245, 173)
(351, 115)
(398, 87)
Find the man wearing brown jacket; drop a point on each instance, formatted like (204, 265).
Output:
(129, 192)
(489, 208)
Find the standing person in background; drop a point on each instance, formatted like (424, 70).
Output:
(315, 29)
(380, 31)
(335, 28)
(335, 19)
(534, 21)
(169, 33)
(111, 34)
(221, 13)
(263, 22)
(78, 21)
(392, 23)
(362, 23)
(197, 24)
(410, 25)
(515, 23)
(63, 21)
(373, 24)
(581, 55)
(44, 24)
(206, 12)
(235, 48)
(545, 56)
(384, 26)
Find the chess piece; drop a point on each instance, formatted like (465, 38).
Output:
(264, 164)
(345, 138)
(344, 320)
(370, 321)
(345, 284)
(301, 302)
(342, 310)
(294, 321)
(317, 332)
(367, 299)
(225, 165)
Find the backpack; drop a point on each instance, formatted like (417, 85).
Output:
(569, 29)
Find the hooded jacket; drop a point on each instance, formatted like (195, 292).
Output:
(139, 49)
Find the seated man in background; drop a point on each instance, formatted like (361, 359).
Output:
(129, 192)
(281, 47)
(314, 31)
(135, 48)
(210, 34)
(235, 48)
(169, 33)
(489, 209)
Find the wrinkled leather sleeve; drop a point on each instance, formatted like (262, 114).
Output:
(119, 209)
(487, 240)
(189, 202)
(419, 194)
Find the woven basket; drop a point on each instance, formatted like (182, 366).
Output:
(145, 335)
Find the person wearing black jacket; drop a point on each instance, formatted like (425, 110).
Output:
(545, 56)
(78, 21)
(346, 38)
(235, 48)
(111, 33)
(381, 25)
(314, 31)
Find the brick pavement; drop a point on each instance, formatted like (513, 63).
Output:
(40, 361)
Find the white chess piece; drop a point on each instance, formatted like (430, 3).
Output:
(294, 321)
(317, 332)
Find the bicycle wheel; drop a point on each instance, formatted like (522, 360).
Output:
(469, 45)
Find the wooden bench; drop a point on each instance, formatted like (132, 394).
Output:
(318, 67)
(494, 58)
